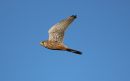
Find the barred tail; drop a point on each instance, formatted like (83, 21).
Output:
(74, 51)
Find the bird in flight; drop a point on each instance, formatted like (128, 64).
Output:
(56, 36)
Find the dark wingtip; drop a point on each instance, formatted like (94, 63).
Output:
(75, 16)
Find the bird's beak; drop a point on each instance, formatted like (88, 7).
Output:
(41, 43)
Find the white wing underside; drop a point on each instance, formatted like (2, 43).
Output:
(56, 32)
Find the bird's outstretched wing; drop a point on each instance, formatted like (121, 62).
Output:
(56, 32)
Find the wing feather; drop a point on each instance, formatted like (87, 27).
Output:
(56, 32)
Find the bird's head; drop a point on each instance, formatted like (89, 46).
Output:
(42, 43)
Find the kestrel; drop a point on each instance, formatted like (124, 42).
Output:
(56, 36)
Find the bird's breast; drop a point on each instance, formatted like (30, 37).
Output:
(55, 45)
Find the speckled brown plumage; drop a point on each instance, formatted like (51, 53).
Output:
(56, 36)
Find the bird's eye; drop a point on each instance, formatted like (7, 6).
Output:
(43, 42)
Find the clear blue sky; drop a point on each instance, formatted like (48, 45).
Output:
(101, 32)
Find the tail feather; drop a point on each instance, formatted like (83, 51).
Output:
(74, 51)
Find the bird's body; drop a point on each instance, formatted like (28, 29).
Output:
(56, 36)
(54, 45)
